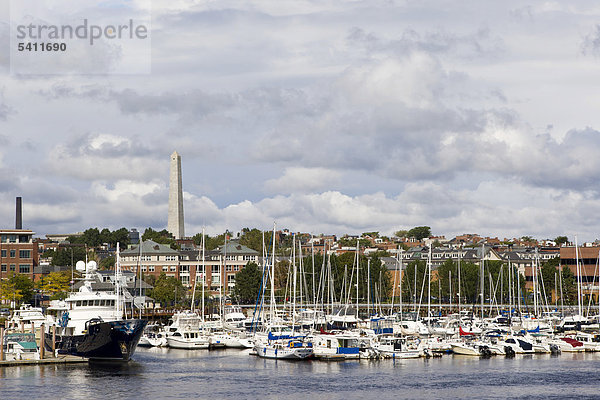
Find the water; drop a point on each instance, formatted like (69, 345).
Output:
(227, 374)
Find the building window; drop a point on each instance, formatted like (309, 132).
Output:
(3, 268)
(23, 239)
(13, 253)
(200, 269)
(3, 253)
(24, 268)
(12, 238)
(216, 269)
(184, 268)
(185, 280)
(12, 267)
(228, 268)
(171, 258)
(151, 268)
(24, 253)
(165, 269)
(143, 268)
(173, 268)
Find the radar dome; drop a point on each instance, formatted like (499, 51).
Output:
(80, 266)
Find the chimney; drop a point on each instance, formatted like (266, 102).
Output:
(19, 216)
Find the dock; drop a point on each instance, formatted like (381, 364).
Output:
(45, 361)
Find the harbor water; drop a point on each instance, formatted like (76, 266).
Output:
(230, 374)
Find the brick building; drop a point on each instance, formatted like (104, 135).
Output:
(18, 252)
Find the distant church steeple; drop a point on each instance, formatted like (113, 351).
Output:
(175, 220)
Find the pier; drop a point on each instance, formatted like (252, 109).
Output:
(46, 361)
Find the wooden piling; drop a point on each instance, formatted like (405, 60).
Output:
(42, 344)
(22, 327)
(53, 340)
(1, 344)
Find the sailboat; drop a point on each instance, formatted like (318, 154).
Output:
(279, 341)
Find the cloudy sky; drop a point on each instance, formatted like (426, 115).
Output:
(324, 116)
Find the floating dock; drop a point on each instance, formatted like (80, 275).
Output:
(45, 361)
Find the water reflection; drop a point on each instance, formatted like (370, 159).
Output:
(170, 373)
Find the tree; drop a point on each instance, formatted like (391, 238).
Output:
(210, 243)
(253, 238)
(17, 287)
(107, 263)
(8, 292)
(371, 234)
(569, 286)
(247, 284)
(469, 280)
(168, 290)
(412, 281)
(420, 232)
(401, 234)
(560, 240)
(162, 237)
(56, 284)
(549, 276)
(62, 257)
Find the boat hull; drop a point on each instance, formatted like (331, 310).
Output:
(104, 341)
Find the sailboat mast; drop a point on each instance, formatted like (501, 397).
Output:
(273, 278)
(459, 287)
(429, 286)
(482, 278)
(118, 309)
(394, 285)
(294, 278)
(578, 277)
(401, 265)
(368, 287)
(203, 273)
(357, 264)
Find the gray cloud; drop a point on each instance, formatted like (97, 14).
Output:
(478, 44)
(590, 45)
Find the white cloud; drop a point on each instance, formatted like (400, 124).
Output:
(298, 179)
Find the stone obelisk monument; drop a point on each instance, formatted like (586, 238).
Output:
(175, 221)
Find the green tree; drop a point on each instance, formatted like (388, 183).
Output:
(561, 240)
(107, 263)
(62, 257)
(253, 238)
(420, 232)
(168, 290)
(371, 234)
(549, 276)
(210, 243)
(569, 286)
(401, 234)
(162, 237)
(247, 284)
(412, 281)
(17, 287)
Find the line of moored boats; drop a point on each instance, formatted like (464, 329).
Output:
(342, 335)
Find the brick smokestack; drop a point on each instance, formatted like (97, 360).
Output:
(19, 216)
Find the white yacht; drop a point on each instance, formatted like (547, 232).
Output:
(90, 323)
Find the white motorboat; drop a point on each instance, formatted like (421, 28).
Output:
(398, 347)
(188, 339)
(332, 346)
